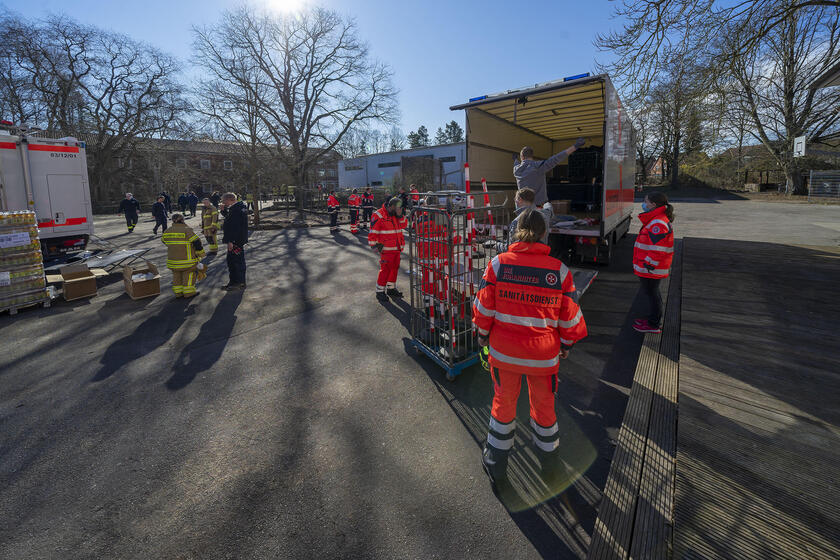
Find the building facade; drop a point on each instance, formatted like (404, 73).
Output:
(430, 167)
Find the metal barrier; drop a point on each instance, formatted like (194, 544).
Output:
(824, 185)
(447, 258)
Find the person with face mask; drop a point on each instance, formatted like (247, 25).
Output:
(386, 238)
(652, 255)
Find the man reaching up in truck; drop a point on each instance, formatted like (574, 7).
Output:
(530, 172)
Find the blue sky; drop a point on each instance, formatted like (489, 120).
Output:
(442, 52)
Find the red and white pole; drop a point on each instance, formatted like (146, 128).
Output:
(489, 213)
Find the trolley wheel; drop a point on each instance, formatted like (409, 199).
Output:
(450, 376)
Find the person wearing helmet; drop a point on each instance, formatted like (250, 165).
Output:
(386, 238)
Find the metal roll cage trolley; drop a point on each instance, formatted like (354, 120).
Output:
(448, 253)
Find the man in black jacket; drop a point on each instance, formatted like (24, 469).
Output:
(235, 230)
(131, 208)
(159, 212)
(192, 199)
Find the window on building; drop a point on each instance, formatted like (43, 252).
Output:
(205, 164)
(353, 168)
(124, 163)
(390, 164)
(228, 165)
(155, 164)
(331, 172)
(448, 159)
(321, 173)
(376, 183)
(180, 163)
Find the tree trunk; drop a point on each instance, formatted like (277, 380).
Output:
(793, 182)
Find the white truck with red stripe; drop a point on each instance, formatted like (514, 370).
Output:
(50, 177)
(594, 187)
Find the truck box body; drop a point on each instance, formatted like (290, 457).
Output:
(597, 181)
(50, 177)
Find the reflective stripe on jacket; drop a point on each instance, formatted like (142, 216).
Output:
(355, 201)
(209, 220)
(367, 200)
(387, 229)
(527, 304)
(182, 246)
(654, 247)
(332, 203)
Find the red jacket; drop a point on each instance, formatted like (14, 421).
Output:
(332, 203)
(415, 195)
(654, 248)
(367, 200)
(387, 229)
(527, 303)
(354, 201)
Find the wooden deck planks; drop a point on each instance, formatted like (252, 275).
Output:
(639, 487)
(759, 422)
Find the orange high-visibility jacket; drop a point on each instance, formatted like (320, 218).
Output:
(387, 229)
(415, 195)
(332, 203)
(527, 303)
(354, 201)
(654, 248)
(367, 200)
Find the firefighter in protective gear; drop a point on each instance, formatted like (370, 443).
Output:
(332, 208)
(354, 202)
(386, 237)
(367, 207)
(131, 208)
(184, 251)
(652, 256)
(526, 312)
(210, 224)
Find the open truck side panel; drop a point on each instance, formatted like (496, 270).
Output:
(50, 177)
(596, 181)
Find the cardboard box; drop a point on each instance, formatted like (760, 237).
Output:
(141, 288)
(561, 206)
(78, 281)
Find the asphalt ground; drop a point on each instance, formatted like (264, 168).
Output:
(291, 420)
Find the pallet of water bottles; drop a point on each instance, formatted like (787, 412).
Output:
(22, 282)
(452, 237)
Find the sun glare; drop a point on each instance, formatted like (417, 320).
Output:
(286, 6)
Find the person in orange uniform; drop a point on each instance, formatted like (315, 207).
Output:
(415, 195)
(332, 208)
(355, 203)
(386, 237)
(526, 310)
(367, 207)
(652, 255)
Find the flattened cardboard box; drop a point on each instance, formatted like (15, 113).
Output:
(138, 289)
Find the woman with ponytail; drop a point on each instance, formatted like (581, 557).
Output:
(652, 255)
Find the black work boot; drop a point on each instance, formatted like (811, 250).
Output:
(393, 292)
(381, 296)
(495, 463)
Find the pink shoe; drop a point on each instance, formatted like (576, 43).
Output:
(645, 327)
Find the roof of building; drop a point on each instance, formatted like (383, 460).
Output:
(421, 148)
(830, 77)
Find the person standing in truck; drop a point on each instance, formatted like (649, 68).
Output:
(530, 172)
(131, 208)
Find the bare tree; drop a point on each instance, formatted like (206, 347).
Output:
(396, 139)
(97, 85)
(648, 138)
(313, 80)
(771, 84)
(655, 29)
